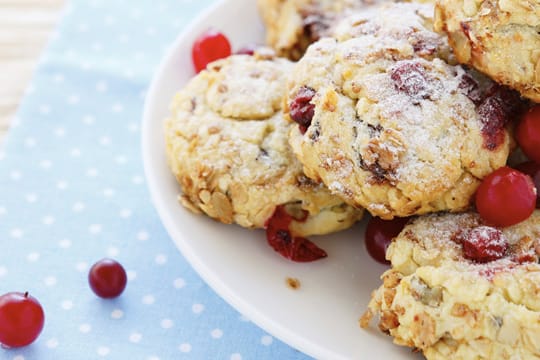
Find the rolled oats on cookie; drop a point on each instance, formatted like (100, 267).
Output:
(450, 302)
(387, 121)
(226, 142)
(500, 38)
(292, 25)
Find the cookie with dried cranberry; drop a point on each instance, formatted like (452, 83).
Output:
(389, 126)
(461, 289)
(499, 38)
(292, 25)
(227, 145)
(408, 25)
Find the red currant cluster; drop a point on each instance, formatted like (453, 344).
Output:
(22, 317)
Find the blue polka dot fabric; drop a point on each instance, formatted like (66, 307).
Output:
(72, 191)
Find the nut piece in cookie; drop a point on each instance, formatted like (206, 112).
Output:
(501, 38)
(227, 145)
(391, 126)
(448, 304)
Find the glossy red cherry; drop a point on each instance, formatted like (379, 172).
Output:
(532, 169)
(107, 278)
(379, 234)
(21, 319)
(528, 133)
(209, 46)
(506, 197)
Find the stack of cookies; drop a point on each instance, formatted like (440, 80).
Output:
(399, 109)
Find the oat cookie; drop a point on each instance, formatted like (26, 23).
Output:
(498, 37)
(408, 26)
(389, 126)
(292, 25)
(227, 146)
(438, 299)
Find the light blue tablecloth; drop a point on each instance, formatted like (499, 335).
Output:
(72, 191)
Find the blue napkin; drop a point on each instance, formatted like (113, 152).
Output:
(72, 191)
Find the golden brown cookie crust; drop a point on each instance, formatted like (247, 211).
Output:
(447, 306)
(396, 129)
(294, 24)
(500, 38)
(227, 146)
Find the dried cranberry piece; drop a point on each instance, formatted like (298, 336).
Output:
(410, 78)
(294, 248)
(471, 89)
(483, 244)
(301, 108)
(525, 258)
(495, 111)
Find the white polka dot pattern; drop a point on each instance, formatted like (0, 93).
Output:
(72, 191)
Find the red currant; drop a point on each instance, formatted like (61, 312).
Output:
(209, 46)
(107, 278)
(379, 234)
(483, 244)
(505, 197)
(21, 319)
(528, 133)
(532, 169)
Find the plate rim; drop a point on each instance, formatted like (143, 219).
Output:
(247, 309)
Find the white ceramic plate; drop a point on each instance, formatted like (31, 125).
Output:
(321, 317)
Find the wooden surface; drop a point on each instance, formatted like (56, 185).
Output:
(25, 28)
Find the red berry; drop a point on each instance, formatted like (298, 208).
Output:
(301, 108)
(483, 244)
(496, 109)
(532, 169)
(410, 78)
(209, 46)
(528, 133)
(295, 248)
(505, 197)
(107, 278)
(21, 319)
(379, 234)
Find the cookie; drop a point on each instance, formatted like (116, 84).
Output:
(389, 125)
(499, 38)
(226, 143)
(408, 26)
(461, 289)
(292, 25)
